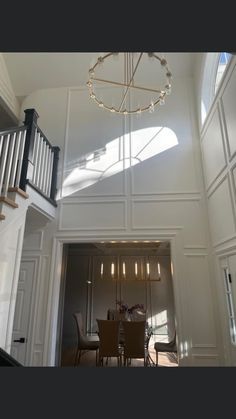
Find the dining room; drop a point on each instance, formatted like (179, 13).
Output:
(122, 277)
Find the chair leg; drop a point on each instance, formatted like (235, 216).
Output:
(80, 353)
(100, 361)
(76, 356)
(156, 358)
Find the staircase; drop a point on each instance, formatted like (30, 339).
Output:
(28, 166)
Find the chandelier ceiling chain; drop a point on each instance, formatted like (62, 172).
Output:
(129, 85)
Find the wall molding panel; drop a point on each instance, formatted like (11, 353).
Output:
(33, 242)
(99, 212)
(198, 286)
(228, 106)
(185, 215)
(203, 345)
(223, 223)
(41, 293)
(214, 164)
(206, 360)
(37, 359)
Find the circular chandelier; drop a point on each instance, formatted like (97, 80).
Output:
(129, 82)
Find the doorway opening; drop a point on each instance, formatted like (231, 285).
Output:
(98, 276)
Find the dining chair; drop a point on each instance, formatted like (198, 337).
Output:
(112, 314)
(135, 341)
(165, 347)
(109, 347)
(85, 343)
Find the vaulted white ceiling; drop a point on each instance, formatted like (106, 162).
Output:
(33, 71)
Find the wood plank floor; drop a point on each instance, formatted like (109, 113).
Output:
(88, 359)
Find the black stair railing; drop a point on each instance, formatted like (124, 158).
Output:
(27, 157)
(40, 160)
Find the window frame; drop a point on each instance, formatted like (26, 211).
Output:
(230, 305)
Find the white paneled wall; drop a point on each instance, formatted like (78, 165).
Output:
(222, 222)
(34, 248)
(10, 256)
(218, 144)
(213, 150)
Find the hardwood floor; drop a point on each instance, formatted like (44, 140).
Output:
(88, 359)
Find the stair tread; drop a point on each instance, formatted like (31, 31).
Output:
(8, 201)
(19, 191)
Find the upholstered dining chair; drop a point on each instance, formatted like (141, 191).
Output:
(109, 347)
(135, 341)
(85, 343)
(165, 347)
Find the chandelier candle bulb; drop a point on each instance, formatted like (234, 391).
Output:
(123, 268)
(112, 269)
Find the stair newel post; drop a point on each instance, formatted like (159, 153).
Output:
(30, 121)
(56, 151)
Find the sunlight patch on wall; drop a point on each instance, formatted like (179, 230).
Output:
(159, 322)
(118, 155)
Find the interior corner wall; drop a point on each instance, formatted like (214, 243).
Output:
(6, 90)
(161, 197)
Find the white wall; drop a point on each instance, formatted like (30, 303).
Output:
(11, 242)
(161, 197)
(10, 256)
(6, 90)
(218, 147)
(37, 247)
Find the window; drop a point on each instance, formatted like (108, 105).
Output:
(214, 68)
(224, 58)
(230, 305)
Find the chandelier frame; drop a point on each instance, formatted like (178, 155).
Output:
(129, 84)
